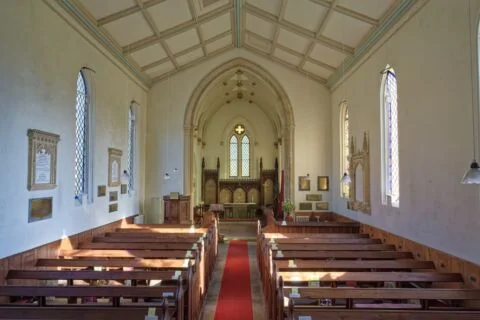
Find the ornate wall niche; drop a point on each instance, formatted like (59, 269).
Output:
(359, 171)
(42, 160)
(114, 161)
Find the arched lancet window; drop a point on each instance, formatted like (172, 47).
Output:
(345, 147)
(131, 147)
(82, 136)
(239, 153)
(233, 156)
(245, 156)
(390, 156)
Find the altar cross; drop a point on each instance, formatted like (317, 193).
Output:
(239, 129)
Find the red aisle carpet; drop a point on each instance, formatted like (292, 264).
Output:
(235, 298)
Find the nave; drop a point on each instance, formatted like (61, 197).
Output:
(293, 271)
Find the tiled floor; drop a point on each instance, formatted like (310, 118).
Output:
(241, 231)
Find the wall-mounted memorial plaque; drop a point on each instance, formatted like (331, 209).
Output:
(314, 197)
(102, 191)
(113, 196)
(305, 206)
(113, 207)
(40, 209)
(123, 189)
(42, 160)
(114, 160)
(321, 205)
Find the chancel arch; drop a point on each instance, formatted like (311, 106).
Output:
(239, 92)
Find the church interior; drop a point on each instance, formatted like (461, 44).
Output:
(240, 159)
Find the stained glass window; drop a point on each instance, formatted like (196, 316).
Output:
(390, 139)
(233, 156)
(81, 139)
(131, 147)
(345, 136)
(245, 156)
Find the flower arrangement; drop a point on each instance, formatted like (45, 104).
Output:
(288, 206)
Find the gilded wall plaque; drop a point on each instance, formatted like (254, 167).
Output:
(321, 205)
(305, 206)
(40, 209)
(323, 183)
(42, 160)
(102, 191)
(314, 197)
(113, 207)
(113, 196)
(123, 189)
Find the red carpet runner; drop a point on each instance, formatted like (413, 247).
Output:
(235, 298)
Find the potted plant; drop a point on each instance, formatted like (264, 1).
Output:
(287, 207)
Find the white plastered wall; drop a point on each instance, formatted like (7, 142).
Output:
(432, 63)
(167, 104)
(40, 58)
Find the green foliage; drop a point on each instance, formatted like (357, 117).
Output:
(288, 206)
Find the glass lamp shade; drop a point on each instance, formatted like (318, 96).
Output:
(472, 176)
(345, 178)
(166, 176)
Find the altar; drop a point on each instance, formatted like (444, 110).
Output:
(241, 211)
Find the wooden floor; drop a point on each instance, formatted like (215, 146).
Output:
(236, 230)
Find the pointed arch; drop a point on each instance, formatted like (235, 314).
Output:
(285, 128)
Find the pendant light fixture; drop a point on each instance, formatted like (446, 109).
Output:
(472, 175)
(346, 177)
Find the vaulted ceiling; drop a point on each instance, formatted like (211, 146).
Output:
(158, 38)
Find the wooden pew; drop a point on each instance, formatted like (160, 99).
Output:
(81, 313)
(115, 293)
(377, 310)
(346, 265)
(186, 266)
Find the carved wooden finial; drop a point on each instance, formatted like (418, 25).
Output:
(365, 141)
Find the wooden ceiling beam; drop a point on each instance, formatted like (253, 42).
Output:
(126, 12)
(349, 12)
(341, 47)
(148, 41)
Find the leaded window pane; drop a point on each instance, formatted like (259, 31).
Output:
(233, 156)
(245, 156)
(131, 148)
(392, 156)
(81, 138)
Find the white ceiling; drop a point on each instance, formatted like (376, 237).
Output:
(158, 38)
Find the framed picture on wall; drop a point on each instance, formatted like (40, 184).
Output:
(303, 183)
(322, 183)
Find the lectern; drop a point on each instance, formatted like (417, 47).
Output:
(177, 210)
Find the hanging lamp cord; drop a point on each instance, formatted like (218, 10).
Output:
(471, 81)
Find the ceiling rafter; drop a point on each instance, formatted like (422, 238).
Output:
(185, 51)
(194, 14)
(292, 52)
(285, 64)
(348, 12)
(319, 31)
(341, 47)
(281, 16)
(194, 63)
(126, 12)
(168, 33)
(155, 30)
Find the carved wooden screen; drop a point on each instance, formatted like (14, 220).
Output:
(268, 192)
(210, 191)
(239, 196)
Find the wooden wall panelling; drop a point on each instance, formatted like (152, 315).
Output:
(50, 250)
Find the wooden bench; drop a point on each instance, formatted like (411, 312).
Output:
(174, 295)
(376, 310)
(81, 313)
